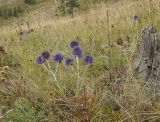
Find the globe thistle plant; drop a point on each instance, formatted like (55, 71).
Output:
(76, 67)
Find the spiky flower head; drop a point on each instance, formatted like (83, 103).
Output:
(58, 57)
(77, 52)
(40, 60)
(74, 44)
(88, 59)
(68, 61)
(45, 55)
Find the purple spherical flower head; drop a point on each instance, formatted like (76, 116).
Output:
(58, 57)
(89, 59)
(68, 61)
(45, 55)
(135, 17)
(77, 52)
(74, 44)
(40, 60)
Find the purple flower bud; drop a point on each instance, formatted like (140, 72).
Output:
(77, 52)
(135, 17)
(58, 57)
(45, 54)
(89, 59)
(68, 61)
(74, 44)
(40, 60)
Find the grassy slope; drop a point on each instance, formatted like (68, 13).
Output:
(136, 101)
(11, 2)
(35, 10)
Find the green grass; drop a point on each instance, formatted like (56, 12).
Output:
(29, 92)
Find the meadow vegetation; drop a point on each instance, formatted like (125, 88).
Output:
(98, 91)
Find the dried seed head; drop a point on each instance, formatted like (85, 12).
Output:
(120, 41)
(2, 50)
(3, 72)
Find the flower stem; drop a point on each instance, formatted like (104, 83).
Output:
(56, 69)
(48, 64)
(52, 75)
(78, 76)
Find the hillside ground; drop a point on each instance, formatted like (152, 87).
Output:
(109, 33)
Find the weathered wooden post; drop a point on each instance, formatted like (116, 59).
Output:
(147, 63)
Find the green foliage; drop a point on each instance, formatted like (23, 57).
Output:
(71, 5)
(22, 111)
(6, 11)
(61, 7)
(68, 6)
(30, 2)
(8, 59)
